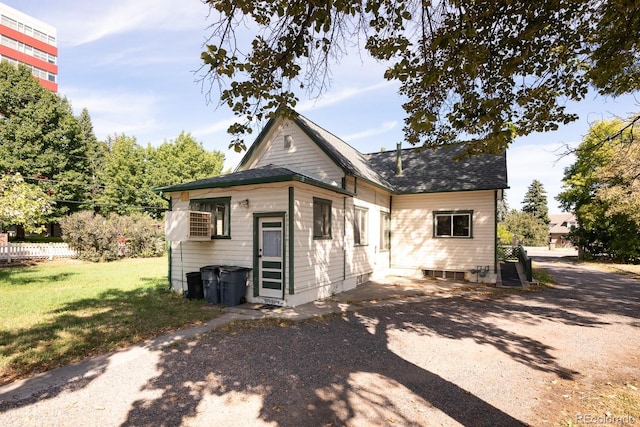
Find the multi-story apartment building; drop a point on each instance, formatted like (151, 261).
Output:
(26, 40)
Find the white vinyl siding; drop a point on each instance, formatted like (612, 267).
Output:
(367, 259)
(238, 250)
(319, 263)
(302, 155)
(413, 245)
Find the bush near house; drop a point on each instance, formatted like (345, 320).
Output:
(99, 238)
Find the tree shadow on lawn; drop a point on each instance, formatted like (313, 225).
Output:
(21, 277)
(304, 374)
(85, 328)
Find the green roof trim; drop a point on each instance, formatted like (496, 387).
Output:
(263, 175)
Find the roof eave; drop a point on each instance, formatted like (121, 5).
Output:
(406, 193)
(283, 178)
(256, 143)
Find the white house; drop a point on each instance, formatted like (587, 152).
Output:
(312, 216)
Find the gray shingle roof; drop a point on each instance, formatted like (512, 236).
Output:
(348, 158)
(435, 170)
(424, 170)
(261, 175)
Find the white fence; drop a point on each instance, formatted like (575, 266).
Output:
(20, 251)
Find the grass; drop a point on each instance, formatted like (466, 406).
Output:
(541, 276)
(52, 314)
(628, 270)
(600, 403)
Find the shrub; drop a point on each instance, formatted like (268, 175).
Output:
(97, 238)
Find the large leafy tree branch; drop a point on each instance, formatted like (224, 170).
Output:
(480, 71)
(602, 188)
(23, 204)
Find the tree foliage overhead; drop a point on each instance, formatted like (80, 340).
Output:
(484, 71)
(602, 188)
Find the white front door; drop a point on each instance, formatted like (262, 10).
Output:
(271, 257)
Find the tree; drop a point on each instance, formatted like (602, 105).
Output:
(23, 204)
(535, 202)
(41, 139)
(95, 154)
(184, 159)
(620, 181)
(180, 160)
(130, 172)
(526, 228)
(124, 177)
(602, 188)
(502, 208)
(487, 70)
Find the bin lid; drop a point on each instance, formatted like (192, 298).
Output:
(209, 267)
(232, 268)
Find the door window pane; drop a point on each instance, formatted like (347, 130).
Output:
(272, 243)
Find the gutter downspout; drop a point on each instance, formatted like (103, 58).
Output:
(169, 251)
(390, 229)
(495, 230)
(344, 239)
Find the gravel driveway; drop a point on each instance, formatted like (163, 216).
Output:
(476, 359)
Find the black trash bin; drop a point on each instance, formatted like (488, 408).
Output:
(233, 284)
(194, 286)
(211, 283)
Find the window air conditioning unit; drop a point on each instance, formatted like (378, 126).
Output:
(185, 225)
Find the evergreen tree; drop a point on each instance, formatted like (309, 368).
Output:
(502, 208)
(41, 138)
(95, 154)
(123, 177)
(535, 202)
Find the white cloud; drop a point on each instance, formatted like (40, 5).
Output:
(336, 97)
(541, 161)
(116, 111)
(218, 127)
(384, 128)
(141, 57)
(122, 16)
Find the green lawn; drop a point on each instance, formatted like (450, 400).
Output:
(52, 314)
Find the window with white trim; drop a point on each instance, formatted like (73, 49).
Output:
(360, 226)
(385, 231)
(321, 218)
(453, 224)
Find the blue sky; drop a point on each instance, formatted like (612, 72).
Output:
(133, 64)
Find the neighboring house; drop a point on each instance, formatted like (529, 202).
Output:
(313, 217)
(559, 227)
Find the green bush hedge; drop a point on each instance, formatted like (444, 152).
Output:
(97, 238)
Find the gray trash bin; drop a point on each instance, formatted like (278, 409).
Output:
(233, 284)
(211, 283)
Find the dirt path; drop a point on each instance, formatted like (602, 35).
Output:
(499, 360)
